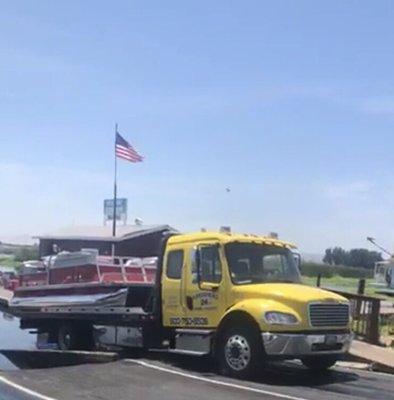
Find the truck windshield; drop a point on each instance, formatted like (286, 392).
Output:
(258, 263)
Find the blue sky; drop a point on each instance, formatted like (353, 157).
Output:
(290, 104)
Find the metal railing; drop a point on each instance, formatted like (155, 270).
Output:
(103, 269)
(122, 267)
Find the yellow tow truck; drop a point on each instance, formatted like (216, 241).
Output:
(236, 297)
(242, 297)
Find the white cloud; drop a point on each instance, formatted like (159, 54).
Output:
(348, 190)
(37, 199)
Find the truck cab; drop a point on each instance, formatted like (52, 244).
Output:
(241, 298)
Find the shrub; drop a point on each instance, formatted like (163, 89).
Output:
(328, 271)
(8, 262)
(26, 253)
(314, 269)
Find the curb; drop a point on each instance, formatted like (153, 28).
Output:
(372, 365)
(56, 358)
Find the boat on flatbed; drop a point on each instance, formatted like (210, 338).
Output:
(83, 278)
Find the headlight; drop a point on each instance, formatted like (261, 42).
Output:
(279, 318)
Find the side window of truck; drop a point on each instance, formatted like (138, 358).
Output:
(174, 264)
(211, 267)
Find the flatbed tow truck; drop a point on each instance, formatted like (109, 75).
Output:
(235, 297)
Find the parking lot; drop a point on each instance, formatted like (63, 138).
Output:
(174, 377)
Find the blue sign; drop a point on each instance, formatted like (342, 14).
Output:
(121, 210)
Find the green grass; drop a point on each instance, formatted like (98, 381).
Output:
(351, 285)
(8, 261)
(345, 284)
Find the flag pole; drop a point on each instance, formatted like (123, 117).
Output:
(115, 190)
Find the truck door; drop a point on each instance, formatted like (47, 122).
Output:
(205, 299)
(173, 288)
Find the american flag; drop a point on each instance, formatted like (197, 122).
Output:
(125, 150)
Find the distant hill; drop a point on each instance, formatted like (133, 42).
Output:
(23, 240)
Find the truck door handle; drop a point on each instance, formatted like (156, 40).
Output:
(189, 302)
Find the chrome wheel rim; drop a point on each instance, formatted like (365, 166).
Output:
(237, 352)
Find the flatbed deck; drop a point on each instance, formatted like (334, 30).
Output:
(96, 314)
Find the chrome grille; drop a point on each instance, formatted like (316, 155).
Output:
(329, 314)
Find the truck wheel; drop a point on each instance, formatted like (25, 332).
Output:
(319, 363)
(240, 351)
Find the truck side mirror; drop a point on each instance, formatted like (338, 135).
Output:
(196, 262)
(297, 259)
(197, 268)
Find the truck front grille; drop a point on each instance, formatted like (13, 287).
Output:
(329, 314)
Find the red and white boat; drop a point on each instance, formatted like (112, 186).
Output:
(84, 278)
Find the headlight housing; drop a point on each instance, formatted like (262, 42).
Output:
(280, 318)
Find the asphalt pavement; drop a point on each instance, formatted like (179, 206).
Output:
(161, 377)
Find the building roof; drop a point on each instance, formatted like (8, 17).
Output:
(104, 233)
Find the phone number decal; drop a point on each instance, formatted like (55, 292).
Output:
(189, 321)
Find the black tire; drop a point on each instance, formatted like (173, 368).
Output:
(75, 337)
(240, 351)
(133, 352)
(319, 363)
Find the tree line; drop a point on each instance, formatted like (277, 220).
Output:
(20, 253)
(362, 258)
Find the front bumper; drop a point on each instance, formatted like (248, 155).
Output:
(299, 345)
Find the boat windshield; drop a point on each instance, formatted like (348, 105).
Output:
(251, 263)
